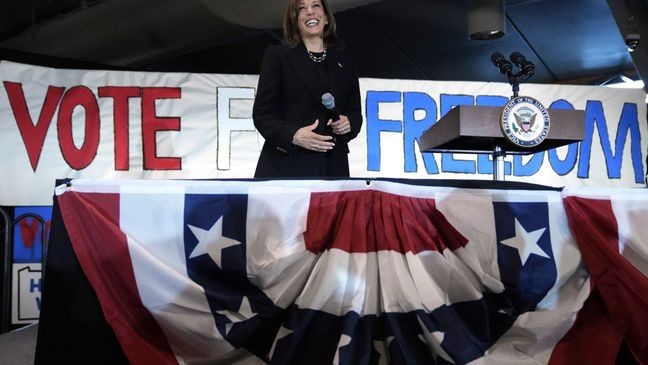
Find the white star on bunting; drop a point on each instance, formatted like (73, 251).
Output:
(434, 339)
(344, 340)
(283, 332)
(211, 242)
(381, 347)
(525, 242)
(244, 313)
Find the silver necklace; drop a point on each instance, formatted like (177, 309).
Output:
(315, 58)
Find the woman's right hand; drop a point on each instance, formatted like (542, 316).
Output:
(306, 138)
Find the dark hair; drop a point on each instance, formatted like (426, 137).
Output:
(291, 35)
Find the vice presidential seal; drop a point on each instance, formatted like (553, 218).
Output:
(525, 121)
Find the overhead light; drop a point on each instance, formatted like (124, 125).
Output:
(486, 19)
(632, 36)
(632, 41)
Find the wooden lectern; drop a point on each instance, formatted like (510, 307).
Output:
(476, 129)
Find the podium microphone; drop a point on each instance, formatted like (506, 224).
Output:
(527, 67)
(502, 63)
(329, 103)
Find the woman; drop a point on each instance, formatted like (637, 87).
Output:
(302, 139)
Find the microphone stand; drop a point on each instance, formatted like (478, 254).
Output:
(513, 79)
(498, 152)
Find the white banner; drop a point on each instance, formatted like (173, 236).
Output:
(57, 123)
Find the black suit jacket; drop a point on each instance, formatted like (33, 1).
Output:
(289, 97)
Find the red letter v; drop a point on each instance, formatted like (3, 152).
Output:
(33, 135)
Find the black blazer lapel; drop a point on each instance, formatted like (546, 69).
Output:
(306, 71)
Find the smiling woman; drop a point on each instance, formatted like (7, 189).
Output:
(302, 137)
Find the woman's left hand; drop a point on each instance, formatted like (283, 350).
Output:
(340, 126)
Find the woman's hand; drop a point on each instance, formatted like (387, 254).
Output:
(340, 126)
(306, 138)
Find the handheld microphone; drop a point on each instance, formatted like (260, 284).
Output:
(329, 103)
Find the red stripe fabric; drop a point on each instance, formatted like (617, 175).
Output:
(593, 339)
(92, 222)
(623, 288)
(371, 221)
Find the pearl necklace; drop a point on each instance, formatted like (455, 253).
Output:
(315, 58)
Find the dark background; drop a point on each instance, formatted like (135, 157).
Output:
(570, 41)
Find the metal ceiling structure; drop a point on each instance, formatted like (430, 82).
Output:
(576, 41)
